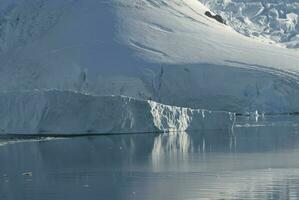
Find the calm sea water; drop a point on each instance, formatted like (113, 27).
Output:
(252, 161)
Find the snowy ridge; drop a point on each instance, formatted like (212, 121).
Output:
(65, 112)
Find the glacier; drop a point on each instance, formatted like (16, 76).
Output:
(70, 113)
(119, 66)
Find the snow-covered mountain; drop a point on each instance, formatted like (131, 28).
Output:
(155, 52)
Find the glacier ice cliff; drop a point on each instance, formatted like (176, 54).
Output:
(65, 112)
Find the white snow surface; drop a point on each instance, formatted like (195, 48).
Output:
(155, 51)
(275, 20)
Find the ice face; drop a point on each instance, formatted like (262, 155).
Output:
(70, 113)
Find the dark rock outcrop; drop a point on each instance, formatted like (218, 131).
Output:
(216, 17)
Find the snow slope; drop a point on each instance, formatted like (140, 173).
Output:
(268, 19)
(167, 52)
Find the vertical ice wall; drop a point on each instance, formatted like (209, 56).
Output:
(62, 112)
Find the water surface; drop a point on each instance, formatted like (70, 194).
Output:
(252, 161)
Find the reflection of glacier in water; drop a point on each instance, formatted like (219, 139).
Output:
(171, 146)
(175, 147)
